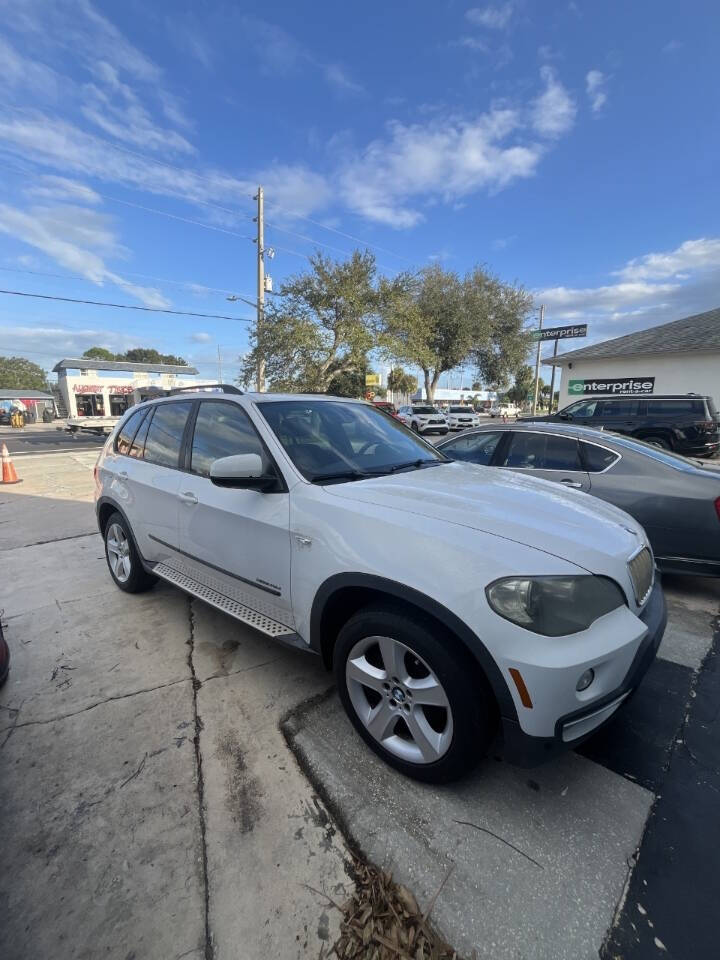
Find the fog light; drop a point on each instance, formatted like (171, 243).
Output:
(585, 680)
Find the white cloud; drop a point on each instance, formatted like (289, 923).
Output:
(46, 344)
(52, 187)
(77, 238)
(200, 337)
(32, 76)
(690, 257)
(492, 17)
(502, 243)
(554, 110)
(654, 288)
(336, 77)
(596, 87)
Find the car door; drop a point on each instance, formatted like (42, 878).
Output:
(235, 541)
(581, 412)
(619, 415)
(153, 476)
(546, 455)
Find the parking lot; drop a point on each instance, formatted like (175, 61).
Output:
(175, 786)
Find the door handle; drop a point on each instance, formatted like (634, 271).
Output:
(572, 483)
(188, 498)
(123, 474)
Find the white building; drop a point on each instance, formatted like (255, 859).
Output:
(454, 396)
(105, 388)
(673, 358)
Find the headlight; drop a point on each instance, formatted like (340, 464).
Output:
(554, 606)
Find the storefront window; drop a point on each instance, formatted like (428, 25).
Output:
(90, 405)
(118, 404)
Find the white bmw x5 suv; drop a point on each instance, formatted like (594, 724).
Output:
(457, 605)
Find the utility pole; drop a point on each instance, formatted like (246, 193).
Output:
(220, 379)
(552, 381)
(537, 359)
(260, 367)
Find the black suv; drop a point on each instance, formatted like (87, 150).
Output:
(687, 423)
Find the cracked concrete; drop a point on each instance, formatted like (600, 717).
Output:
(151, 808)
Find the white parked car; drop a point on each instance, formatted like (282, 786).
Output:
(462, 418)
(504, 410)
(423, 418)
(458, 606)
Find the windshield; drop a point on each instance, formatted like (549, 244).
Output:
(425, 410)
(331, 441)
(460, 409)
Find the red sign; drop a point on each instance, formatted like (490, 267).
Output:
(98, 388)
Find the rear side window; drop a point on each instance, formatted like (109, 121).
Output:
(222, 430)
(137, 447)
(473, 448)
(597, 458)
(127, 431)
(537, 451)
(617, 408)
(164, 438)
(676, 408)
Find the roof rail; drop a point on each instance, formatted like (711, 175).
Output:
(206, 387)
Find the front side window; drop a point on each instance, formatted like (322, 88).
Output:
(537, 451)
(584, 408)
(221, 430)
(334, 441)
(127, 432)
(473, 447)
(164, 438)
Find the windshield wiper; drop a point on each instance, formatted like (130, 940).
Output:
(416, 464)
(340, 475)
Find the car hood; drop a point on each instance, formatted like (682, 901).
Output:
(538, 513)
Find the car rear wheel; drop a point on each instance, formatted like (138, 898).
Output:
(413, 695)
(123, 559)
(658, 442)
(415, 427)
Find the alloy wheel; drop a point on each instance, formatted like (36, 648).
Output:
(118, 552)
(399, 699)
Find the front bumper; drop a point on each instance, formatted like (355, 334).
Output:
(573, 728)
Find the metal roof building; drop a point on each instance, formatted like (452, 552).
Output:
(83, 363)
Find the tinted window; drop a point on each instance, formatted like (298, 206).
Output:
(676, 408)
(221, 430)
(473, 448)
(424, 410)
(162, 445)
(585, 408)
(539, 451)
(597, 458)
(127, 432)
(617, 408)
(137, 447)
(461, 409)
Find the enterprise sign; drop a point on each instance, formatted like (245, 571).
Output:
(627, 385)
(561, 333)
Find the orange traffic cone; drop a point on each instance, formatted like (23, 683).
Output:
(8, 470)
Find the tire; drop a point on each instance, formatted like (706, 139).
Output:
(122, 557)
(434, 743)
(415, 427)
(658, 442)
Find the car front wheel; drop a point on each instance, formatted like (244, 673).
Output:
(122, 557)
(413, 694)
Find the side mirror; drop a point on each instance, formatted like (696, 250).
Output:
(244, 470)
(564, 416)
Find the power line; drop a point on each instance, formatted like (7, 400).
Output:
(141, 276)
(174, 216)
(123, 306)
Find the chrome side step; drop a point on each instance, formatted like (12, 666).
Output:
(259, 621)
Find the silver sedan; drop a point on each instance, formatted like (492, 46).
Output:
(677, 500)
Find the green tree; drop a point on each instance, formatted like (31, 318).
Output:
(439, 321)
(17, 373)
(349, 383)
(401, 382)
(523, 385)
(98, 353)
(320, 326)
(148, 355)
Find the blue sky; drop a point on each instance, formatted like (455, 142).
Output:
(572, 147)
